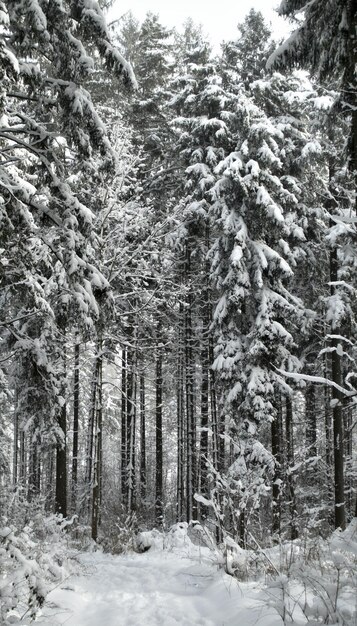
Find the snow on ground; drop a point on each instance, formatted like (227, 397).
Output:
(181, 585)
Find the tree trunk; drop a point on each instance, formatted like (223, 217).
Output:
(348, 444)
(337, 416)
(180, 423)
(328, 440)
(290, 460)
(130, 428)
(276, 446)
(98, 426)
(15, 470)
(143, 478)
(34, 478)
(214, 413)
(50, 463)
(61, 465)
(311, 423)
(75, 427)
(190, 396)
(350, 87)
(215, 438)
(23, 464)
(90, 435)
(204, 424)
(61, 448)
(205, 365)
(159, 508)
(124, 454)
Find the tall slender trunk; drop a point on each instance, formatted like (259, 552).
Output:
(159, 508)
(75, 426)
(124, 404)
(290, 460)
(276, 446)
(143, 478)
(350, 97)
(205, 365)
(90, 435)
(190, 396)
(348, 443)
(214, 413)
(328, 437)
(23, 464)
(98, 427)
(61, 465)
(337, 416)
(34, 469)
(215, 438)
(350, 87)
(15, 471)
(50, 463)
(130, 428)
(61, 448)
(311, 422)
(180, 422)
(204, 422)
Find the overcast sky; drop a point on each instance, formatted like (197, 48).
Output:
(219, 18)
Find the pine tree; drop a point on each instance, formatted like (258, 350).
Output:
(148, 114)
(259, 209)
(325, 42)
(201, 128)
(243, 60)
(50, 130)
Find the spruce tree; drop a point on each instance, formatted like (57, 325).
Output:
(51, 132)
(325, 42)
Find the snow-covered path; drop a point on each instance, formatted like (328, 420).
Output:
(159, 588)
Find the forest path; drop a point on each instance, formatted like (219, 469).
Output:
(158, 588)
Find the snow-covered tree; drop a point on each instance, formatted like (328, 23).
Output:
(50, 134)
(259, 210)
(243, 60)
(201, 126)
(325, 42)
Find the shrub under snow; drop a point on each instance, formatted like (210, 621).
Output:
(33, 560)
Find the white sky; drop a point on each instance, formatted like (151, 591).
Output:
(219, 18)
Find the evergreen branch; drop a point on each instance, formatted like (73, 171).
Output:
(316, 379)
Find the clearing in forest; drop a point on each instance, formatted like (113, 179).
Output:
(177, 586)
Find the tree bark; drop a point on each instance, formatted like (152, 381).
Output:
(276, 446)
(124, 451)
(311, 423)
(159, 507)
(98, 426)
(180, 422)
(90, 435)
(34, 476)
(15, 470)
(204, 424)
(214, 412)
(290, 459)
(205, 367)
(61, 466)
(191, 507)
(75, 426)
(23, 464)
(348, 444)
(130, 428)
(337, 416)
(143, 478)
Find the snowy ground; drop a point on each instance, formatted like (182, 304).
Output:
(177, 586)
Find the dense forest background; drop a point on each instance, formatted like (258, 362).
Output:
(177, 275)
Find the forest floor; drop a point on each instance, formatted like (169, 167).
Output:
(181, 585)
